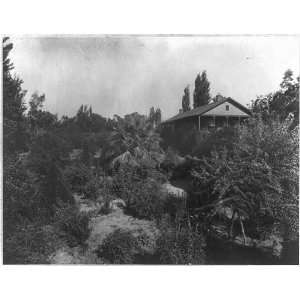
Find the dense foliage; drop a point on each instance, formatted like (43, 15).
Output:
(282, 102)
(141, 192)
(180, 244)
(14, 130)
(73, 226)
(119, 247)
(257, 181)
(243, 180)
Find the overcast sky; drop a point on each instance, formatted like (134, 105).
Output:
(120, 75)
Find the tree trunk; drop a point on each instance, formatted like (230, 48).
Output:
(231, 225)
(243, 231)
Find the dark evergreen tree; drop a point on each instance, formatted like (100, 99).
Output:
(152, 116)
(158, 116)
(186, 100)
(152, 113)
(201, 92)
(14, 136)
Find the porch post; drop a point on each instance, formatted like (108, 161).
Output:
(199, 123)
(227, 121)
(239, 120)
(214, 117)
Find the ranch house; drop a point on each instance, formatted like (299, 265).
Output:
(220, 113)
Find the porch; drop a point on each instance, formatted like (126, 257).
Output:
(206, 122)
(214, 121)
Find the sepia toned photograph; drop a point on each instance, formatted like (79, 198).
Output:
(150, 149)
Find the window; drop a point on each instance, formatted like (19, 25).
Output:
(227, 107)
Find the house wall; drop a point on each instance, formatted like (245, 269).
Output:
(187, 124)
(221, 110)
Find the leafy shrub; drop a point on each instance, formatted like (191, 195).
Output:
(278, 144)
(215, 140)
(233, 182)
(72, 225)
(119, 247)
(91, 190)
(18, 191)
(259, 175)
(77, 176)
(180, 245)
(143, 197)
(182, 139)
(193, 142)
(28, 244)
(146, 201)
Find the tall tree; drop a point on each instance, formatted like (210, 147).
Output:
(283, 102)
(84, 117)
(13, 104)
(39, 118)
(186, 99)
(158, 116)
(201, 92)
(152, 116)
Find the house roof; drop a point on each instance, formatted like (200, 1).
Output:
(198, 111)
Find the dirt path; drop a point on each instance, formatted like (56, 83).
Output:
(101, 225)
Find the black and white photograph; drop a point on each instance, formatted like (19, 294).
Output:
(150, 150)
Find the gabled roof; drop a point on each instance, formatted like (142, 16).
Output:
(198, 111)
